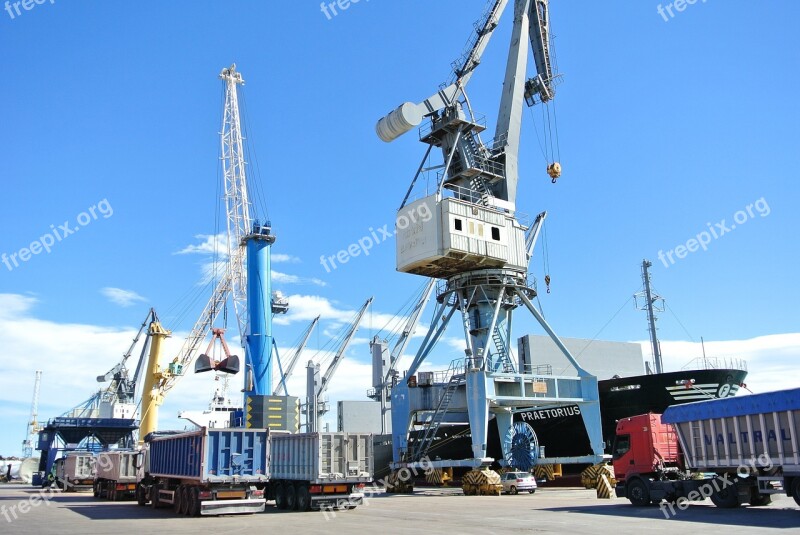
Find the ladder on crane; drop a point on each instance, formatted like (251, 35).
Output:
(457, 378)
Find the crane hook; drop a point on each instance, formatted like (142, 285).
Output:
(547, 282)
(554, 170)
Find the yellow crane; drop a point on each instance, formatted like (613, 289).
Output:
(152, 395)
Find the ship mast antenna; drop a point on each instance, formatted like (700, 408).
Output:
(651, 305)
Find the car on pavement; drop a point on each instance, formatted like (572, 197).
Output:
(516, 482)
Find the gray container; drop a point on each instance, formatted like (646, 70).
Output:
(322, 457)
(117, 466)
(78, 466)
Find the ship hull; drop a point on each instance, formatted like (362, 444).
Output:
(629, 396)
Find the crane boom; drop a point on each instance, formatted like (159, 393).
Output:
(198, 333)
(475, 170)
(122, 388)
(410, 115)
(408, 330)
(533, 233)
(337, 359)
(296, 355)
(33, 426)
(478, 42)
(237, 202)
(509, 121)
(542, 84)
(152, 394)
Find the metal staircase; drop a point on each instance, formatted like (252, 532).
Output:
(424, 444)
(503, 357)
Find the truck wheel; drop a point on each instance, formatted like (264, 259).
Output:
(96, 489)
(796, 490)
(154, 496)
(303, 498)
(280, 495)
(291, 497)
(725, 497)
(638, 493)
(177, 499)
(757, 499)
(185, 501)
(141, 497)
(194, 501)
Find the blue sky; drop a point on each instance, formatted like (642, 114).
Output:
(666, 126)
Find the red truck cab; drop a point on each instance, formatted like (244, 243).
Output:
(643, 446)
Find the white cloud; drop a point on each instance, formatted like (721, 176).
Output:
(771, 360)
(284, 258)
(304, 308)
(124, 298)
(283, 278)
(15, 305)
(212, 271)
(215, 248)
(209, 244)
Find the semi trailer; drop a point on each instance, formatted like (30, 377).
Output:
(734, 451)
(235, 470)
(320, 470)
(205, 472)
(75, 471)
(115, 474)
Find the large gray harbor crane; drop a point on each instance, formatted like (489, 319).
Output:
(476, 243)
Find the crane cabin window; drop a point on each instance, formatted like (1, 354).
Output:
(495, 234)
(457, 224)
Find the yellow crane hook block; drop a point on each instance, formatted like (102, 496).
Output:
(554, 170)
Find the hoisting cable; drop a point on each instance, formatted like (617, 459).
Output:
(603, 328)
(546, 256)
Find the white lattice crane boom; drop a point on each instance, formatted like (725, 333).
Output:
(33, 426)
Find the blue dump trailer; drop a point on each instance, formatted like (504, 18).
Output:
(205, 472)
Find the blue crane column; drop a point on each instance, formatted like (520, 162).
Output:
(258, 364)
